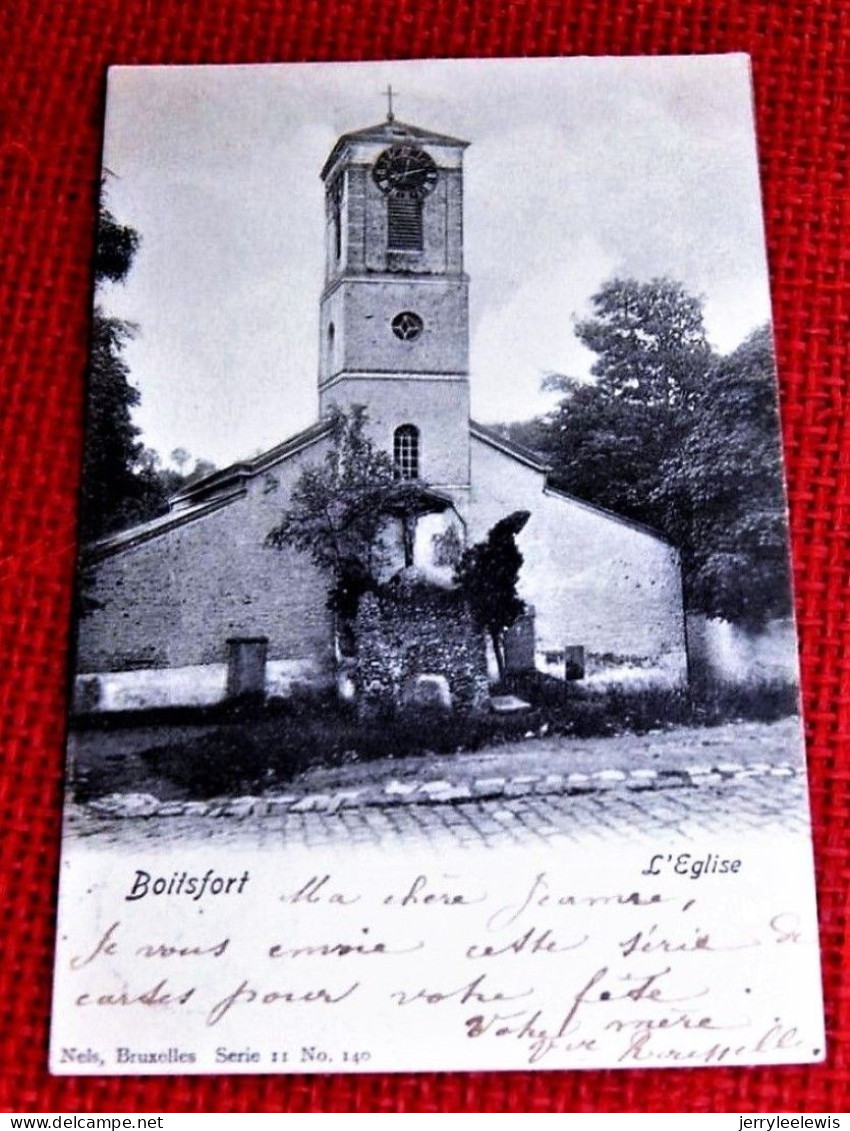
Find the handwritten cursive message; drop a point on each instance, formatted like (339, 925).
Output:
(422, 967)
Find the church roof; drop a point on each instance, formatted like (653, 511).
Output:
(208, 494)
(236, 473)
(531, 459)
(220, 488)
(518, 451)
(145, 531)
(389, 133)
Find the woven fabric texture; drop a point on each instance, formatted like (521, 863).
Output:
(51, 106)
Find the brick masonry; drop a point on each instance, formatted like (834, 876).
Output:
(175, 600)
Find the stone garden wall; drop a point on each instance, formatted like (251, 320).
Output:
(418, 644)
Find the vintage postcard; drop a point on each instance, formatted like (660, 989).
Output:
(436, 700)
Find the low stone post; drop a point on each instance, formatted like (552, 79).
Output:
(574, 661)
(246, 666)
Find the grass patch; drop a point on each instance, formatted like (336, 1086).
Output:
(265, 748)
(248, 755)
(569, 709)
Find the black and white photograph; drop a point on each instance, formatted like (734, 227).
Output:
(436, 701)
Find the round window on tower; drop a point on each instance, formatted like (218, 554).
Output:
(407, 326)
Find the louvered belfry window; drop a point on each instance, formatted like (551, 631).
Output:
(406, 452)
(404, 223)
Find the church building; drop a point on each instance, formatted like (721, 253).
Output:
(177, 598)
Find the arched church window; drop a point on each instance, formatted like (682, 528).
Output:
(330, 347)
(406, 451)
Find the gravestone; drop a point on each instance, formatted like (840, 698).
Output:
(246, 666)
(519, 643)
(429, 690)
(508, 705)
(574, 661)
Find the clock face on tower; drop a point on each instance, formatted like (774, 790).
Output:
(405, 170)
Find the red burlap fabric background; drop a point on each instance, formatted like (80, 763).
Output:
(54, 54)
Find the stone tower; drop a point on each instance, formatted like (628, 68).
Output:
(394, 321)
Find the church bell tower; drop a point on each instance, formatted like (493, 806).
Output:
(394, 323)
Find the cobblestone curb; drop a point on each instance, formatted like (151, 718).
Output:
(434, 791)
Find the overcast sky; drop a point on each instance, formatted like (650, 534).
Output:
(578, 170)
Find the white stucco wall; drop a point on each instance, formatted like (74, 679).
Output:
(593, 579)
(199, 685)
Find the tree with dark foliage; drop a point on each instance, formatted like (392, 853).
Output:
(114, 493)
(488, 573)
(722, 493)
(123, 481)
(650, 342)
(673, 436)
(339, 509)
(116, 247)
(607, 438)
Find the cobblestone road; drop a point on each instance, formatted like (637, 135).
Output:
(619, 812)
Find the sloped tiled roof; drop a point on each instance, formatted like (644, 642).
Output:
(237, 473)
(389, 133)
(145, 531)
(518, 451)
(531, 459)
(207, 495)
(223, 487)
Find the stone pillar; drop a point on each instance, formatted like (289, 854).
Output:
(574, 661)
(246, 666)
(519, 644)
